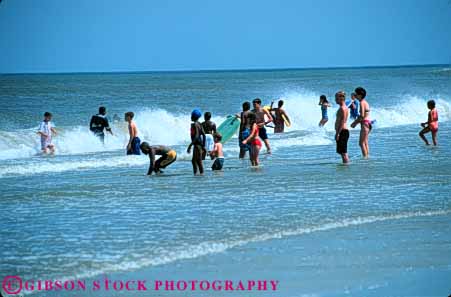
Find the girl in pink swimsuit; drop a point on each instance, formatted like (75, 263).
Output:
(364, 121)
(431, 125)
(254, 139)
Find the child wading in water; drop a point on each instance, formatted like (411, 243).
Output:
(134, 141)
(46, 131)
(254, 140)
(209, 129)
(324, 105)
(217, 153)
(198, 141)
(431, 125)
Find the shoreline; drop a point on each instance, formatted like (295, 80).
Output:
(351, 260)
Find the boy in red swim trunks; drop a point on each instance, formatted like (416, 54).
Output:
(431, 125)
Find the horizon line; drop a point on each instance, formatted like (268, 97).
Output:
(212, 70)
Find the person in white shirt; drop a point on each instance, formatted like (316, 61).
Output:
(46, 130)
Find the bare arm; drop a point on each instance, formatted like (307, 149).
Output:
(151, 160)
(107, 127)
(252, 136)
(268, 114)
(286, 116)
(359, 118)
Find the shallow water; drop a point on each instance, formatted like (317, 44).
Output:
(90, 210)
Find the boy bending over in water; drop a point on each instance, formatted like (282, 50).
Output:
(217, 153)
(431, 125)
(168, 156)
(46, 130)
(198, 140)
(134, 141)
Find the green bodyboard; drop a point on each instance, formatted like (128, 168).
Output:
(228, 128)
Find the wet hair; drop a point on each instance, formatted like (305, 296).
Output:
(324, 98)
(341, 94)
(102, 110)
(217, 136)
(47, 114)
(431, 104)
(257, 100)
(280, 103)
(252, 117)
(144, 146)
(246, 106)
(207, 115)
(360, 91)
(130, 114)
(352, 94)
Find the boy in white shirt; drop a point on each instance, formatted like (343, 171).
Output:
(46, 131)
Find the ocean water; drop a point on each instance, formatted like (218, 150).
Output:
(91, 210)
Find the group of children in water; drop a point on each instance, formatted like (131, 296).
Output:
(205, 139)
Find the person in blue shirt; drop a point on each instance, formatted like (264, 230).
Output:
(353, 106)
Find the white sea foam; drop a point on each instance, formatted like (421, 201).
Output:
(159, 126)
(46, 166)
(305, 113)
(208, 248)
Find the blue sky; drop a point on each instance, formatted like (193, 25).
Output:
(146, 35)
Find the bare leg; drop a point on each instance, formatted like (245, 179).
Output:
(257, 151)
(194, 162)
(363, 141)
(323, 122)
(242, 153)
(268, 147)
(345, 158)
(434, 137)
(252, 154)
(195, 159)
(424, 131)
(199, 160)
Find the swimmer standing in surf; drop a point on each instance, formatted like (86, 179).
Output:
(168, 156)
(99, 123)
(209, 129)
(279, 114)
(134, 141)
(245, 129)
(217, 154)
(254, 140)
(364, 121)
(46, 130)
(431, 125)
(341, 131)
(324, 105)
(260, 114)
(198, 141)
